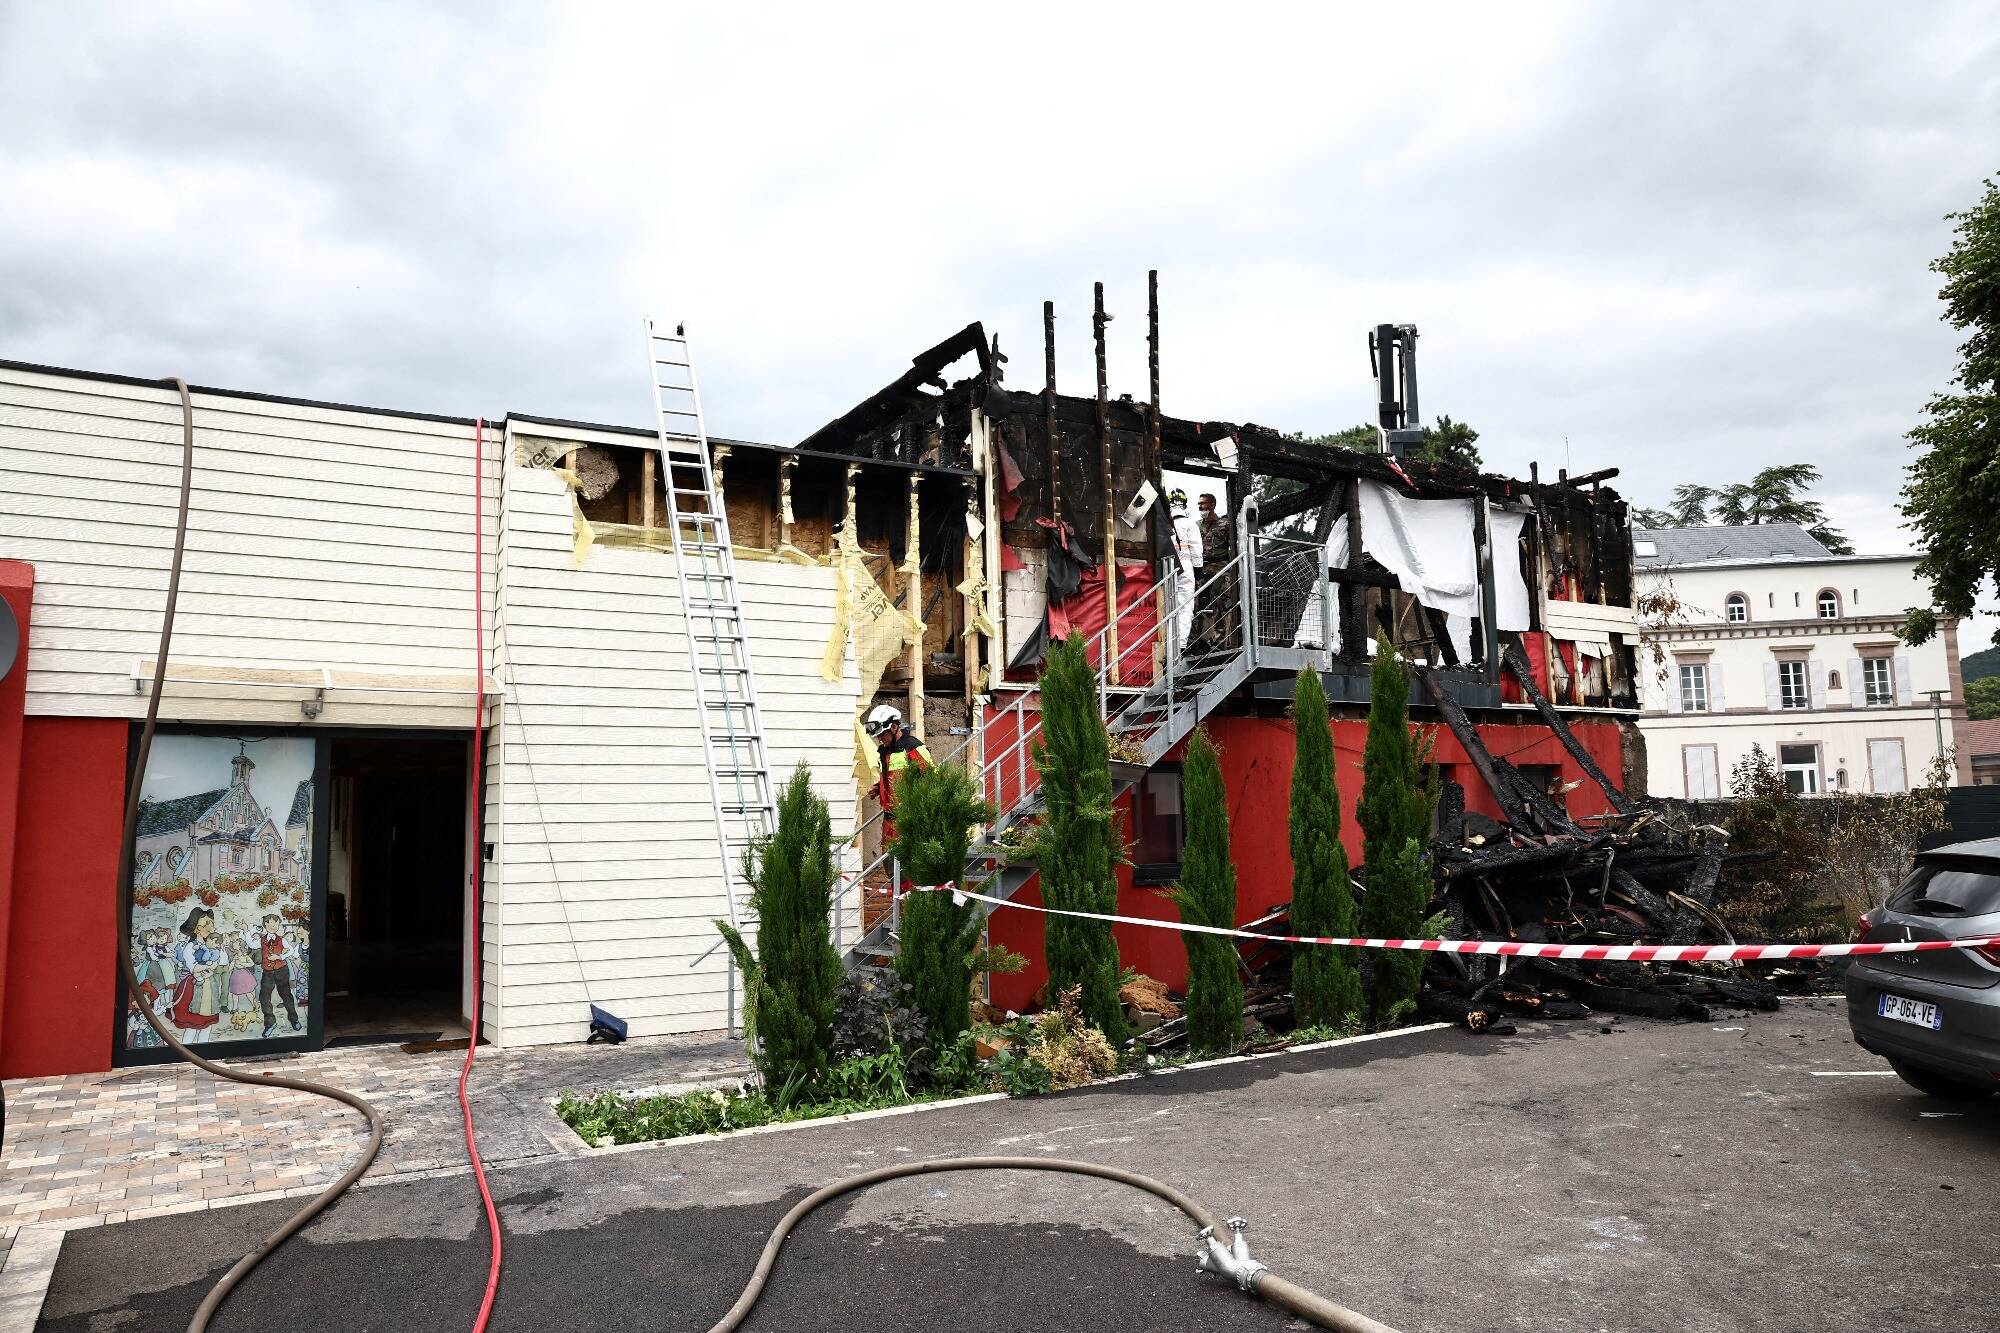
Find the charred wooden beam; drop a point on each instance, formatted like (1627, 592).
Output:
(1517, 662)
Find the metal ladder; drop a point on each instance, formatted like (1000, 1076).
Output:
(725, 688)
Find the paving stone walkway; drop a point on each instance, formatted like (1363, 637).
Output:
(94, 1149)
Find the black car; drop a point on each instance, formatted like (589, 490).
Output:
(1935, 1016)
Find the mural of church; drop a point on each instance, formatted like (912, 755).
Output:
(210, 834)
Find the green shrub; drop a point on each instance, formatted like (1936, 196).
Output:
(1206, 896)
(1076, 845)
(1395, 816)
(936, 809)
(789, 982)
(1326, 987)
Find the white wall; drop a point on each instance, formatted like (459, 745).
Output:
(608, 874)
(1783, 619)
(319, 537)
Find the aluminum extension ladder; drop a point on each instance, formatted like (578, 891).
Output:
(725, 688)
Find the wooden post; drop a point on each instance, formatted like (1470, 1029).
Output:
(1098, 320)
(1353, 596)
(1153, 445)
(649, 471)
(915, 592)
(786, 463)
(1049, 399)
(968, 637)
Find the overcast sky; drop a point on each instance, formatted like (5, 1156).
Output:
(1688, 241)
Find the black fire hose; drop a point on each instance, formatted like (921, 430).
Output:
(1230, 1260)
(206, 1310)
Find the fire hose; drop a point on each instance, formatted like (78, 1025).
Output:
(1231, 1259)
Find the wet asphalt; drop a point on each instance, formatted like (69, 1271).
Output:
(1653, 1176)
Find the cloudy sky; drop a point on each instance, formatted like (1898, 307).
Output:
(1686, 240)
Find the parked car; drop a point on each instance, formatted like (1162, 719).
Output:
(1935, 1016)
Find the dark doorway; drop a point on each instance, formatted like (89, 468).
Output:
(396, 886)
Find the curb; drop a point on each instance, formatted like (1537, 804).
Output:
(24, 1282)
(913, 1108)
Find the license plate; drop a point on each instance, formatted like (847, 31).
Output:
(1905, 1010)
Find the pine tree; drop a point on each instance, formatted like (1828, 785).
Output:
(1326, 988)
(1076, 846)
(936, 809)
(1395, 815)
(790, 981)
(1206, 896)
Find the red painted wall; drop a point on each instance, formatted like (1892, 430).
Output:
(1257, 774)
(60, 964)
(17, 588)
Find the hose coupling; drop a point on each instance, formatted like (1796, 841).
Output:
(1233, 1260)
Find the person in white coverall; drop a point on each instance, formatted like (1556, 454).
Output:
(1187, 559)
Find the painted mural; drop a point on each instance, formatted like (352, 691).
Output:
(222, 890)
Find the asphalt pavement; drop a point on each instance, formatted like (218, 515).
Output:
(1754, 1172)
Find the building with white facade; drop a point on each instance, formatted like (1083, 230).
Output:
(1774, 641)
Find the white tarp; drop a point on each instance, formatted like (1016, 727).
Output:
(1427, 544)
(1511, 599)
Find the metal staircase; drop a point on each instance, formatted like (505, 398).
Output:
(725, 687)
(1250, 613)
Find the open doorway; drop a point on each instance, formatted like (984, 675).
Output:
(396, 886)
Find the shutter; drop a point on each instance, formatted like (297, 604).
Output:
(1857, 683)
(1816, 684)
(1714, 687)
(1711, 774)
(1885, 767)
(1903, 691)
(1673, 689)
(1771, 700)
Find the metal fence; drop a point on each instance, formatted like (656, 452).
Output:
(1291, 608)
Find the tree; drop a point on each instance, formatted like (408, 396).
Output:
(1982, 698)
(936, 809)
(1394, 812)
(1774, 495)
(1450, 442)
(1951, 497)
(1076, 845)
(1206, 896)
(789, 983)
(1326, 987)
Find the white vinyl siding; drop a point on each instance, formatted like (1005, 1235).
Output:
(612, 870)
(320, 539)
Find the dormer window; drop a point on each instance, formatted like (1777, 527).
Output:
(1736, 608)
(1829, 604)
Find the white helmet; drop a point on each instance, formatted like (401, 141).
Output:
(880, 718)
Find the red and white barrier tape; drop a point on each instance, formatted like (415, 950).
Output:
(1638, 953)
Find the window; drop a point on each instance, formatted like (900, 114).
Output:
(1548, 779)
(1736, 609)
(1793, 691)
(1829, 604)
(1833, 680)
(1694, 687)
(1886, 774)
(1949, 886)
(1801, 765)
(1703, 772)
(1646, 548)
(1878, 682)
(1156, 827)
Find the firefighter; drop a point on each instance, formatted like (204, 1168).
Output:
(897, 750)
(1187, 559)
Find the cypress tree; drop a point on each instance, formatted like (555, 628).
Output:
(1206, 896)
(790, 981)
(1326, 987)
(935, 811)
(1076, 846)
(1395, 815)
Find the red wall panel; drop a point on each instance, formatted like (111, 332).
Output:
(60, 963)
(1256, 757)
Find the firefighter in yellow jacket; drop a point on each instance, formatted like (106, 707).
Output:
(898, 750)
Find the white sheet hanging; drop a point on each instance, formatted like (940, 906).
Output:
(1309, 620)
(1510, 589)
(1427, 544)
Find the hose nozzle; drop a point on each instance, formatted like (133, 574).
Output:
(1233, 1260)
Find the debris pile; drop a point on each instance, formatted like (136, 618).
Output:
(1638, 874)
